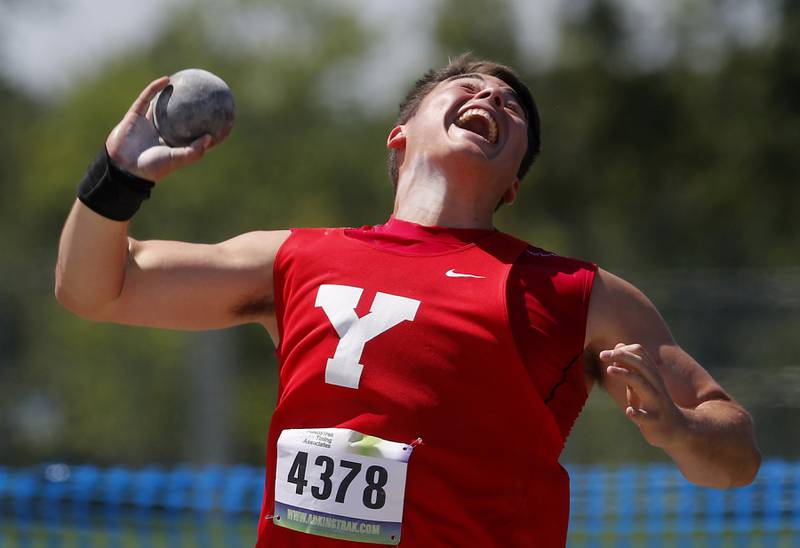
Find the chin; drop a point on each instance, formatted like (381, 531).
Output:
(472, 157)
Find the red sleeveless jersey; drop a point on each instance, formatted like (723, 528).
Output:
(448, 370)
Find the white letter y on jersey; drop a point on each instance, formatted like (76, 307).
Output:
(339, 303)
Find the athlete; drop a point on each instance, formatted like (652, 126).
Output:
(431, 367)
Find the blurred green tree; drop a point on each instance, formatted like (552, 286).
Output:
(641, 171)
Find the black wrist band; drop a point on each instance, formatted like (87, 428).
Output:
(111, 192)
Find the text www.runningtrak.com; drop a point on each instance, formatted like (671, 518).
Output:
(333, 523)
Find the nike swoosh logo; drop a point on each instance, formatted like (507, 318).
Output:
(453, 274)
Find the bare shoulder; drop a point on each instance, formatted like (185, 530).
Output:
(619, 313)
(255, 252)
(260, 246)
(609, 290)
(617, 309)
(616, 312)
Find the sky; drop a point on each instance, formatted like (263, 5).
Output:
(49, 46)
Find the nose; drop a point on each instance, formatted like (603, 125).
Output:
(493, 94)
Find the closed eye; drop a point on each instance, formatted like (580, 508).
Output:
(469, 86)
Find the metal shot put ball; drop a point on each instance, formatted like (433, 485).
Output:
(194, 103)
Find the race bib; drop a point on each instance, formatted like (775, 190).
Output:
(341, 484)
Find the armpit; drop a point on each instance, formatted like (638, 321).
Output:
(591, 370)
(254, 307)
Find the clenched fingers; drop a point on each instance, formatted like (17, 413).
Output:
(181, 156)
(639, 383)
(634, 357)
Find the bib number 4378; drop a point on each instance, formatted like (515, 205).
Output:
(376, 476)
(339, 303)
(339, 483)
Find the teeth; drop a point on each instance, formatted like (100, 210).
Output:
(471, 113)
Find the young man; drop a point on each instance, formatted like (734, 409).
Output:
(430, 368)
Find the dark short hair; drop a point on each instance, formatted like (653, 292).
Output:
(462, 65)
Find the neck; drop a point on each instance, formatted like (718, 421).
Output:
(428, 199)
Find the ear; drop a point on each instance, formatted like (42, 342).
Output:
(510, 195)
(397, 138)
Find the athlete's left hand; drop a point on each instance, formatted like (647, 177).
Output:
(650, 406)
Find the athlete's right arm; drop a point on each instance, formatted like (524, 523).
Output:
(104, 275)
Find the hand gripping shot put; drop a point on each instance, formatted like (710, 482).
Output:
(195, 103)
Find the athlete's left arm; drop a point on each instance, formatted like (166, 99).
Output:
(675, 403)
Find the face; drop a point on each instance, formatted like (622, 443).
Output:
(472, 127)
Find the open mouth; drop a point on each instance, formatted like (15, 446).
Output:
(480, 122)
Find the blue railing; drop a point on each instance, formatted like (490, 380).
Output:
(644, 505)
(653, 505)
